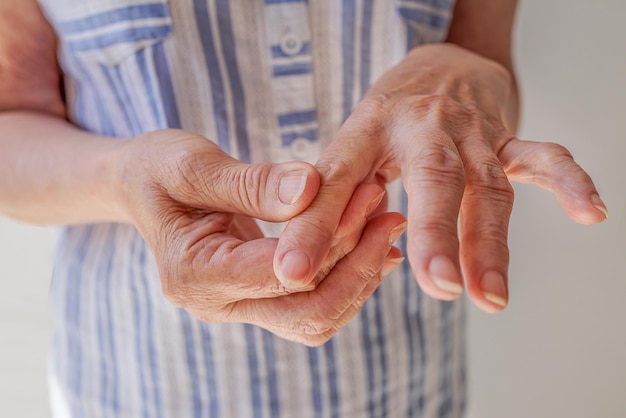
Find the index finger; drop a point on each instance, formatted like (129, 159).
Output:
(350, 160)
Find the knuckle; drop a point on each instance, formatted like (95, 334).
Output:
(313, 326)
(439, 165)
(489, 177)
(440, 227)
(490, 231)
(437, 103)
(183, 267)
(440, 111)
(242, 186)
(187, 173)
(224, 180)
(360, 301)
(313, 332)
(438, 115)
(367, 271)
(373, 104)
(187, 165)
(440, 156)
(557, 153)
(494, 236)
(366, 124)
(249, 184)
(318, 319)
(493, 241)
(275, 289)
(317, 229)
(336, 168)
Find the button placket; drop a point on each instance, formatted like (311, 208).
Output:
(292, 81)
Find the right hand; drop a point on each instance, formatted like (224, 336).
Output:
(195, 207)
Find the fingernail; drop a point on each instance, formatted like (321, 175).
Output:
(599, 204)
(445, 275)
(291, 186)
(390, 265)
(374, 204)
(294, 267)
(494, 288)
(396, 232)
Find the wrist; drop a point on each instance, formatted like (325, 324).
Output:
(113, 166)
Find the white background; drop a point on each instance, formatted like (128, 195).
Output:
(559, 350)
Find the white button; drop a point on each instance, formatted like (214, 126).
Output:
(301, 148)
(290, 44)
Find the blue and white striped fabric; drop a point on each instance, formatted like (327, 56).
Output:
(268, 81)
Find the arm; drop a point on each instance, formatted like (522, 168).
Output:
(485, 27)
(444, 120)
(53, 173)
(68, 176)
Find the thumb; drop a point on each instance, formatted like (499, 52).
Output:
(271, 192)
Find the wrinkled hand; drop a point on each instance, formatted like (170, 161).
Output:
(443, 120)
(195, 206)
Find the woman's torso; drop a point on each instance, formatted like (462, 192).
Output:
(267, 81)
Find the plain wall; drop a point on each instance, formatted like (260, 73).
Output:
(25, 269)
(558, 350)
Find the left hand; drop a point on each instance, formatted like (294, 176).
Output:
(443, 119)
(195, 207)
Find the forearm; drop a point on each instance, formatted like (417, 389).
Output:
(54, 173)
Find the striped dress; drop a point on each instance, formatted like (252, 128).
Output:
(267, 80)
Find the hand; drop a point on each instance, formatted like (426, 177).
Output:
(194, 205)
(442, 119)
